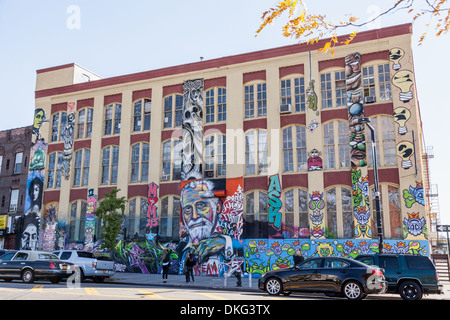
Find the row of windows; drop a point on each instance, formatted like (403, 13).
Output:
(332, 92)
(338, 219)
(296, 157)
(18, 163)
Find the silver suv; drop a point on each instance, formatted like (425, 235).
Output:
(96, 268)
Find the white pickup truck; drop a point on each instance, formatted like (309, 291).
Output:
(91, 267)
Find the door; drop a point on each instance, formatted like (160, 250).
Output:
(16, 264)
(392, 270)
(4, 263)
(304, 278)
(332, 274)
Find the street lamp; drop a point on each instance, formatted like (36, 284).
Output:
(375, 175)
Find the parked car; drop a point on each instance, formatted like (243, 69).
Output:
(411, 276)
(33, 265)
(91, 267)
(3, 251)
(333, 276)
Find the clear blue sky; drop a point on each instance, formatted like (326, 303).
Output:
(121, 37)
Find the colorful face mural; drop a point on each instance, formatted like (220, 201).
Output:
(414, 195)
(414, 226)
(191, 167)
(361, 206)
(207, 232)
(317, 222)
(49, 227)
(355, 109)
(314, 160)
(89, 227)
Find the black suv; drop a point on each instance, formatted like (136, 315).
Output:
(411, 276)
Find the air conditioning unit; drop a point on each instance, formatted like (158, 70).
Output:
(13, 208)
(285, 108)
(369, 99)
(209, 174)
(165, 177)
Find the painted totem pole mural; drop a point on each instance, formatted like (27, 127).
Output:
(67, 135)
(89, 227)
(192, 143)
(410, 170)
(152, 209)
(50, 226)
(360, 183)
(35, 186)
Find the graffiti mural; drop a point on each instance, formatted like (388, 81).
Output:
(49, 227)
(355, 109)
(361, 206)
(314, 160)
(274, 203)
(405, 150)
(311, 100)
(414, 226)
(404, 80)
(192, 143)
(152, 209)
(35, 186)
(208, 229)
(414, 195)
(89, 227)
(316, 216)
(67, 135)
(395, 55)
(401, 116)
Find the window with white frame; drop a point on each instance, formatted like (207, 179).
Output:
(169, 221)
(339, 220)
(384, 82)
(54, 169)
(333, 89)
(84, 124)
(81, 167)
(142, 115)
(171, 160)
(294, 148)
(110, 164)
(173, 111)
(255, 100)
(256, 215)
(140, 156)
(113, 115)
(256, 151)
(18, 162)
(14, 200)
(296, 213)
(59, 121)
(384, 139)
(293, 93)
(336, 145)
(216, 105)
(215, 156)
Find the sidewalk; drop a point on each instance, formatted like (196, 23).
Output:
(213, 283)
(174, 280)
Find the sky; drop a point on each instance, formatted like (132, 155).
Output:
(117, 37)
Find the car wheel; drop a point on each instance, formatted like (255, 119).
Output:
(410, 290)
(55, 280)
(27, 276)
(352, 290)
(274, 286)
(99, 279)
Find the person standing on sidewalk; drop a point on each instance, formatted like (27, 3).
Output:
(190, 263)
(166, 260)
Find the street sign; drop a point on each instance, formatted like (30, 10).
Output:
(443, 227)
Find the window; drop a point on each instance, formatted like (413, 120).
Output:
(14, 200)
(340, 87)
(1, 161)
(256, 151)
(256, 215)
(169, 221)
(216, 105)
(384, 80)
(59, 121)
(171, 160)
(110, 164)
(55, 165)
(296, 223)
(385, 141)
(82, 222)
(339, 213)
(18, 162)
(368, 81)
(85, 118)
(142, 115)
(255, 104)
(73, 221)
(131, 218)
(81, 167)
(294, 158)
(341, 150)
(295, 97)
(395, 216)
(113, 114)
(215, 156)
(173, 105)
(140, 154)
(326, 90)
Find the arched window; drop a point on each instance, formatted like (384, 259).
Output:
(296, 224)
(169, 221)
(294, 148)
(54, 169)
(110, 164)
(59, 121)
(173, 111)
(256, 151)
(339, 217)
(293, 92)
(113, 115)
(171, 160)
(216, 105)
(215, 155)
(255, 100)
(336, 144)
(84, 127)
(256, 215)
(81, 167)
(142, 115)
(140, 155)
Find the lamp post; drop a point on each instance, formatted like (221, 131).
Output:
(377, 189)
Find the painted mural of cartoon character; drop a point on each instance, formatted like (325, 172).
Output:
(404, 80)
(314, 160)
(414, 225)
(395, 55)
(311, 100)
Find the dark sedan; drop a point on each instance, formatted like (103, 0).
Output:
(333, 276)
(33, 265)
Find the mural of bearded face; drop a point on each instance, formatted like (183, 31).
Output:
(200, 210)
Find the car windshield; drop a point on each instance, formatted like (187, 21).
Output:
(47, 256)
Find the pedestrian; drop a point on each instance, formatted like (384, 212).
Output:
(298, 257)
(166, 259)
(190, 263)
